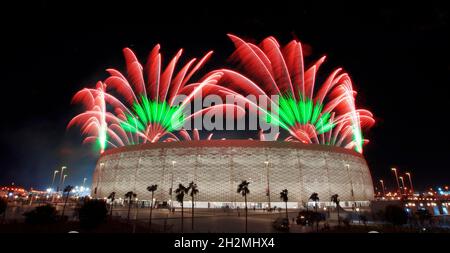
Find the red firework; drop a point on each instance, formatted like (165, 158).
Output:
(144, 107)
(141, 106)
(326, 114)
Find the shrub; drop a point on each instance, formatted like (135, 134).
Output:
(41, 215)
(363, 218)
(92, 213)
(423, 215)
(3, 205)
(395, 215)
(311, 217)
(349, 218)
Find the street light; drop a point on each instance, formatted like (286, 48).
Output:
(403, 184)
(64, 179)
(54, 175)
(351, 182)
(171, 184)
(268, 184)
(410, 182)
(61, 177)
(382, 187)
(98, 179)
(53, 181)
(396, 179)
(84, 181)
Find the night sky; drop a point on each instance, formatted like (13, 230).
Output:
(397, 56)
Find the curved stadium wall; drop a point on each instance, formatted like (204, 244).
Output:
(218, 166)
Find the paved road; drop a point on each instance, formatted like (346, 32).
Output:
(210, 221)
(206, 220)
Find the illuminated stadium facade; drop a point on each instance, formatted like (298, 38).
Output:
(136, 119)
(218, 166)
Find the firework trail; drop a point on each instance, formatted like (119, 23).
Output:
(93, 119)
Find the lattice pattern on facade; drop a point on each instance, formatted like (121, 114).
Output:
(218, 170)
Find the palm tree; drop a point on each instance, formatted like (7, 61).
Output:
(67, 189)
(111, 197)
(315, 197)
(243, 189)
(335, 199)
(194, 191)
(129, 195)
(284, 197)
(152, 188)
(180, 191)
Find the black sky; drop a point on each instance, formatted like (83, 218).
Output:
(397, 57)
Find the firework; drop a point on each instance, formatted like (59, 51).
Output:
(323, 115)
(143, 107)
(93, 119)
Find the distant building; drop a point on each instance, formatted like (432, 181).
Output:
(12, 191)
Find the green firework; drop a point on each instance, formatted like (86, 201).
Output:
(291, 113)
(149, 112)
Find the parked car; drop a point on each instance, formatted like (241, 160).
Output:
(281, 224)
(309, 217)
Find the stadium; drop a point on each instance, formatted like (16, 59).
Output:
(138, 122)
(218, 166)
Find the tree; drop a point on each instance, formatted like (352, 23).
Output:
(284, 197)
(92, 213)
(194, 191)
(395, 215)
(111, 197)
(152, 188)
(315, 197)
(423, 215)
(41, 215)
(243, 189)
(363, 218)
(335, 199)
(180, 192)
(3, 207)
(129, 195)
(67, 189)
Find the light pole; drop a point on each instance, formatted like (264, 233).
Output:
(64, 179)
(53, 181)
(171, 184)
(396, 179)
(351, 183)
(403, 185)
(268, 183)
(61, 177)
(382, 187)
(410, 182)
(98, 179)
